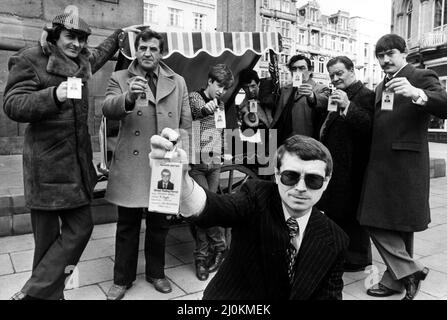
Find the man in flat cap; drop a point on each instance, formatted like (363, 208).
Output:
(47, 88)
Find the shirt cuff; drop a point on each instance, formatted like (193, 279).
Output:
(193, 204)
(422, 99)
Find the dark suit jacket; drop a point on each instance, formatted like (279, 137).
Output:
(397, 180)
(169, 187)
(348, 138)
(256, 267)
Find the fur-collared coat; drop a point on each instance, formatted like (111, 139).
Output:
(58, 171)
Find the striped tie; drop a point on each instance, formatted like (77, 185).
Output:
(292, 249)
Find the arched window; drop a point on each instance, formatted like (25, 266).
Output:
(440, 11)
(409, 15)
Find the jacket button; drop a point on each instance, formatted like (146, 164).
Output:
(137, 133)
(139, 113)
(170, 114)
(135, 153)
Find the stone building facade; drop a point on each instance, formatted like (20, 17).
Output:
(21, 23)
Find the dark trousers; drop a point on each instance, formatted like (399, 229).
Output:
(58, 247)
(127, 243)
(359, 250)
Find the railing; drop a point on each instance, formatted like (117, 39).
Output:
(433, 39)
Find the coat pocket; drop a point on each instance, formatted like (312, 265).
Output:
(407, 146)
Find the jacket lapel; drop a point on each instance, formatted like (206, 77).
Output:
(314, 258)
(282, 104)
(165, 84)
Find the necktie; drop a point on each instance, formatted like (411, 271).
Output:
(150, 82)
(292, 249)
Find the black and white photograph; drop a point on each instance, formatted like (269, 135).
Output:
(232, 150)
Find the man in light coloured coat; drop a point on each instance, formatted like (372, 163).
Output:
(166, 105)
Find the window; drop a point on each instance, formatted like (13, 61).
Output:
(440, 18)
(285, 29)
(266, 4)
(366, 50)
(409, 15)
(342, 45)
(314, 38)
(333, 43)
(150, 13)
(265, 25)
(175, 17)
(199, 21)
(302, 36)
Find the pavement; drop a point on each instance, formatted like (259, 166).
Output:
(95, 269)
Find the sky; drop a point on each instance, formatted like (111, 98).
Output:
(378, 10)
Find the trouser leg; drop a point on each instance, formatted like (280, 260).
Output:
(157, 228)
(126, 246)
(49, 274)
(396, 250)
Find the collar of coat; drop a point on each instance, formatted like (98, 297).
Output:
(61, 65)
(353, 89)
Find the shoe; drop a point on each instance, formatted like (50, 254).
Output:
(413, 283)
(162, 285)
(217, 262)
(22, 296)
(201, 270)
(381, 291)
(117, 292)
(352, 267)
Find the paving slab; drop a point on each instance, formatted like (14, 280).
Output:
(170, 262)
(435, 284)
(193, 296)
(183, 251)
(104, 231)
(22, 260)
(347, 296)
(5, 265)
(12, 283)
(99, 249)
(436, 262)
(435, 234)
(92, 292)
(183, 234)
(184, 276)
(95, 271)
(16, 243)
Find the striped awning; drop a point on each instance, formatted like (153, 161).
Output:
(190, 44)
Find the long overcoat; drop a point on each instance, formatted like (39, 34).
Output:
(129, 177)
(58, 170)
(396, 190)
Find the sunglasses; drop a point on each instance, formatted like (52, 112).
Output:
(291, 178)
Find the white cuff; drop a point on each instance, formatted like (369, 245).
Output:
(194, 203)
(345, 112)
(422, 99)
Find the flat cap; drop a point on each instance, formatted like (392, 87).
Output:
(72, 21)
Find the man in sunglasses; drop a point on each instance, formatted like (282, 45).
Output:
(282, 247)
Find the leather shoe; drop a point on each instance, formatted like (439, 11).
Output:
(413, 283)
(201, 270)
(162, 285)
(217, 262)
(117, 292)
(381, 291)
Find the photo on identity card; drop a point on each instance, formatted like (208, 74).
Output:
(165, 187)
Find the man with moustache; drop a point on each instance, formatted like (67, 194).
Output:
(346, 132)
(58, 173)
(298, 109)
(283, 248)
(395, 198)
(145, 98)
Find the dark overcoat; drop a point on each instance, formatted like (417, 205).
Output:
(348, 138)
(256, 265)
(396, 190)
(58, 171)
